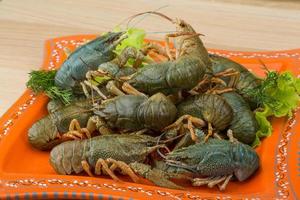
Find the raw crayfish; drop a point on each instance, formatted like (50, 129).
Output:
(172, 76)
(205, 163)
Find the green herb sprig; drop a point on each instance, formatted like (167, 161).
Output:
(43, 81)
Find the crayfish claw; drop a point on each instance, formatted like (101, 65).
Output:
(158, 177)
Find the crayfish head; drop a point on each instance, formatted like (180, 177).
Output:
(141, 145)
(247, 161)
(108, 42)
(182, 26)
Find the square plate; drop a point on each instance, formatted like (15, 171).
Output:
(25, 173)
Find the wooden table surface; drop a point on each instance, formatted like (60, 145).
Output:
(227, 24)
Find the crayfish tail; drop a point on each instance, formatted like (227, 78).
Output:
(67, 157)
(43, 134)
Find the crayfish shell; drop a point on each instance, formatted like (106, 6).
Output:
(157, 112)
(210, 107)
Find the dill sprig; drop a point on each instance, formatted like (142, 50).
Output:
(43, 81)
(261, 93)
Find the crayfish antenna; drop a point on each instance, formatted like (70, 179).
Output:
(129, 19)
(150, 12)
(264, 66)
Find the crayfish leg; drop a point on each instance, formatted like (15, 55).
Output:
(206, 181)
(156, 48)
(204, 81)
(217, 136)
(129, 89)
(215, 182)
(74, 125)
(127, 53)
(85, 91)
(91, 124)
(219, 91)
(125, 169)
(104, 165)
(113, 89)
(232, 73)
(223, 186)
(225, 73)
(218, 81)
(167, 46)
(86, 167)
(68, 136)
(231, 137)
(93, 87)
(96, 123)
(209, 133)
(139, 132)
(76, 130)
(191, 121)
(212, 181)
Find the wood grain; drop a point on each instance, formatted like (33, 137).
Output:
(227, 24)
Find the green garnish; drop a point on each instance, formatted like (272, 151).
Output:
(43, 81)
(278, 95)
(97, 80)
(135, 39)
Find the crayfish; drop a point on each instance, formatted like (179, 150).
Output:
(183, 72)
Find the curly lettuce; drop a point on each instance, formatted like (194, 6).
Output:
(135, 39)
(278, 95)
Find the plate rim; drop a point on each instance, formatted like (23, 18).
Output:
(51, 60)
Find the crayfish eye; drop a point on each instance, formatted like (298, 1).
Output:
(182, 24)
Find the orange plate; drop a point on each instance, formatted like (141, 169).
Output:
(26, 173)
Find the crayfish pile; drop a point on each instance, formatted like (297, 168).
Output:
(190, 115)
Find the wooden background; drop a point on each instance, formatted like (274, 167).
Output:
(227, 24)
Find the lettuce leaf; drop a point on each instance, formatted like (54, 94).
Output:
(135, 39)
(279, 96)
(265, 127)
